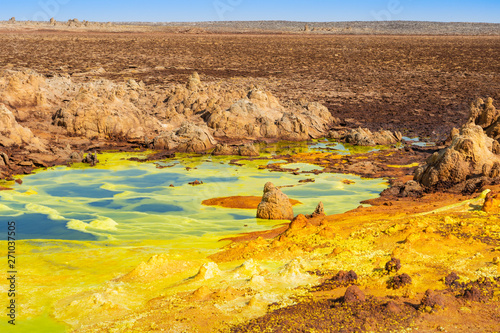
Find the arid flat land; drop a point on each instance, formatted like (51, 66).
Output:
(420, 85)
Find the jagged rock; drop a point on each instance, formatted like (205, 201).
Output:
(195, 98)
(318, 119)
(105, 111)
(91, 159)
(292, 127)
(483, 113)
(194, 81)
(487, 116)
(275, 205)
(470, 154)
(319, 211)
(76, 156)
(12, 20)
(52, 21)
(260, 115)
(244, 119)
(188, 138)
(409, 189)
(365, 137)
(245, 150)
(22, 89)
(11, 133)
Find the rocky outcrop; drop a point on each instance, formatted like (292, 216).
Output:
(487, 116)
(260, 115)
(4, 159)
(492, 203)
(275, 205)
(188, 138)
(411, 189)
(13, 134)
(22, 89)
(244, 150)
(365, 137)
(483, 113)
(471, 155)
(106, 111)
(195, 98)
(319, 211)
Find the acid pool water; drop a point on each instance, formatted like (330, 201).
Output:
(121, 199)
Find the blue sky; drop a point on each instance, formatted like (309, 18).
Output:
(216, 10)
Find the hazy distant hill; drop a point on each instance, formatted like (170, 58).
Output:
(355, 27)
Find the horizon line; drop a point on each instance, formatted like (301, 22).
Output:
(289, 21)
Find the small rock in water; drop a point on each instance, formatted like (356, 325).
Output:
(275, 205)
(91, 159)
(196, 182)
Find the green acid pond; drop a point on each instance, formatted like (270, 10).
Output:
(121, 199)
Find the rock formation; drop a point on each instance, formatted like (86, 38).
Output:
(492, 203)
(195, 98)
(483, 113)
(487, 116)
(471, 154)
(106, 111)
(319, 211)
(260, 115)
(275, 205)
(365, 137)
(13, 134)
(244, 150)
(22, 89)
(353, 295)
(188, 138)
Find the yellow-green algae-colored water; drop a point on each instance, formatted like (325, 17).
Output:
(125, 200)
(80, 226)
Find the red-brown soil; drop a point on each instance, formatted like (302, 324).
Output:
(242, 202)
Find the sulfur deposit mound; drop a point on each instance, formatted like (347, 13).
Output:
(470, 162)
(275, 205)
